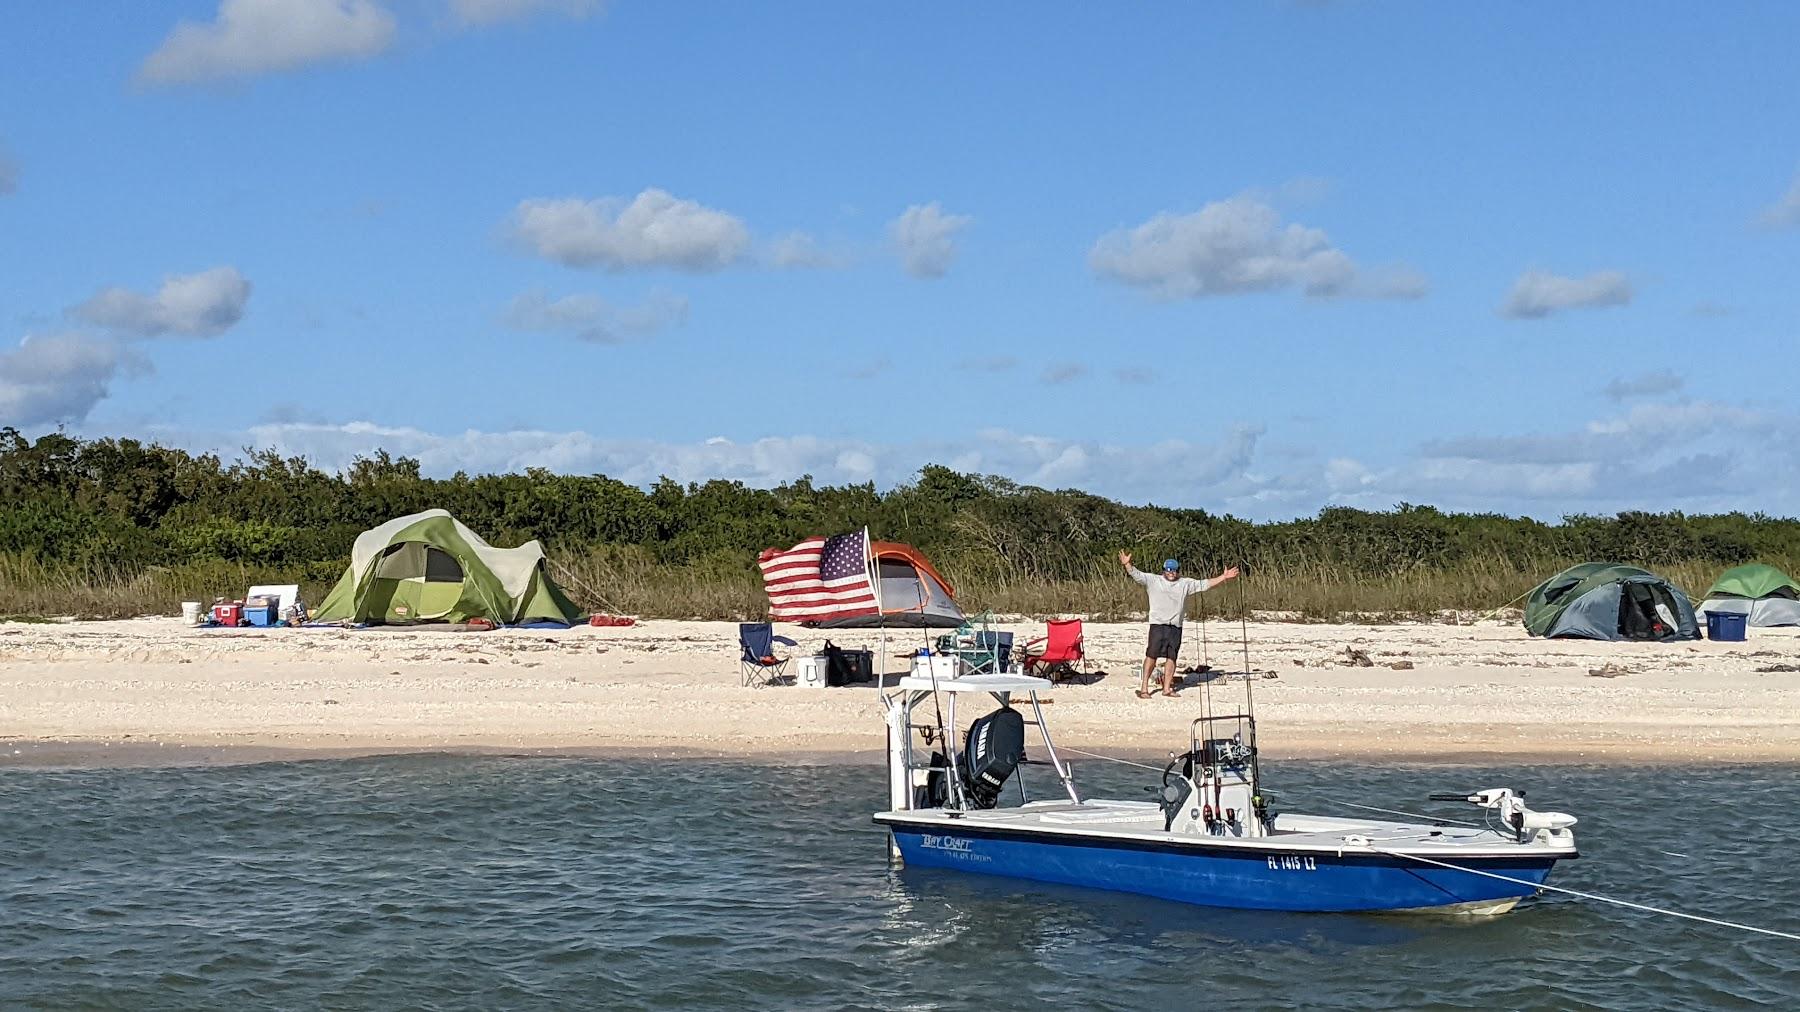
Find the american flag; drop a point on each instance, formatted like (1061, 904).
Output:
(820, 578)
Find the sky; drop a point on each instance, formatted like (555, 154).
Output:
(1258, 258)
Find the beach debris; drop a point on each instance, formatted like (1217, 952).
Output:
(331, 702)
(1358, 658)
(1778, 669)
(1609, 670)
(1401, 665)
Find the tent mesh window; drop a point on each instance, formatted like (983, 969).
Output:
(413, 560)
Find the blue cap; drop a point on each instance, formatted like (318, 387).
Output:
(1171, 564)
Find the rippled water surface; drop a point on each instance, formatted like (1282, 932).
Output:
(451, 882)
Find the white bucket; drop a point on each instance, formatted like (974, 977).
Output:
(190, 612)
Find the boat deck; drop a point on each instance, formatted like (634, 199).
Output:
(1143, 820)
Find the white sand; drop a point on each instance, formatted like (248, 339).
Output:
(152, 687)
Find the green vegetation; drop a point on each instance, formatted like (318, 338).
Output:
(113, 527)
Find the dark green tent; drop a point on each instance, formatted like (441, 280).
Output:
(1609, 601)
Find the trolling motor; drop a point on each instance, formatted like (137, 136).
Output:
(1526, 823)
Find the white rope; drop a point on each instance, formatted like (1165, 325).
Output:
(1110, 759)
(1593, 896)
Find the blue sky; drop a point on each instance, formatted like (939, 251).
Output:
(1259, 258)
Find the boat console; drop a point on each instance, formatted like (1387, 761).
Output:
(1211, 789)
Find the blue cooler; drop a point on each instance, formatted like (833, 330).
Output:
(266, 611)
(1727, 626)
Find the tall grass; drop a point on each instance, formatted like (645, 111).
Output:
(28, 587)
(627, 580)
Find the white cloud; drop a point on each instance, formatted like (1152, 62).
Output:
(1343, 474)
(1785, 212)
(799, 250)
(1538, 293)
(56, 378)
(926, 238)
(193, 305)
(251, 37)
(1235, 246)
(591, 318)
(1661, 381)
(475, 13)
(1698, 456)
(655, 229)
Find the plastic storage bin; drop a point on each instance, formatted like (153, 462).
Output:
(1726, 626)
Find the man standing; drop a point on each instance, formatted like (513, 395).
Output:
(1168, 595)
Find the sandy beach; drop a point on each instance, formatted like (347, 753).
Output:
(152, 690)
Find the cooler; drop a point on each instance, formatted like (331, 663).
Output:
(262, 611)
(941, 666)
(861, 664)
(811, 672)
(228, 614)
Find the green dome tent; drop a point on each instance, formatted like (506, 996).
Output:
(1763, 594)
(428, 567)
(1607, 601)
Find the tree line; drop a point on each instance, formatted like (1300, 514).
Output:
(121, 506)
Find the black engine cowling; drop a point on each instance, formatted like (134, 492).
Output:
(994, 748)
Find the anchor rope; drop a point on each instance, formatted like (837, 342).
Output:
(1593, 896)
(1111, 759)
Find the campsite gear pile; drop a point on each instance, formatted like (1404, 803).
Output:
(263, 607)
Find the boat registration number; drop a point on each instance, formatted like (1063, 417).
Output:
(1292, 863)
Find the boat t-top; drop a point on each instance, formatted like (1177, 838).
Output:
(1209, 837)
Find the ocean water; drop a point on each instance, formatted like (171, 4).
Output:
(484, 882)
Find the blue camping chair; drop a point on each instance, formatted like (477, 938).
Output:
(758, 661)
(990, 652)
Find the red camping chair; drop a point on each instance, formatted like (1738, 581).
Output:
(1060, 653)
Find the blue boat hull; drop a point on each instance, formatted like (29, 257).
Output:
(1221, 877)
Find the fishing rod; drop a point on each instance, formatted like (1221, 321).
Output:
(1244, 632)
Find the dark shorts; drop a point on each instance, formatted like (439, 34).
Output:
(1165, 641)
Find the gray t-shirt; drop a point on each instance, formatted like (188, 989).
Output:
(1168, 598)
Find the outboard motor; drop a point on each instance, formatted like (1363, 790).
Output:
(995, 747)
